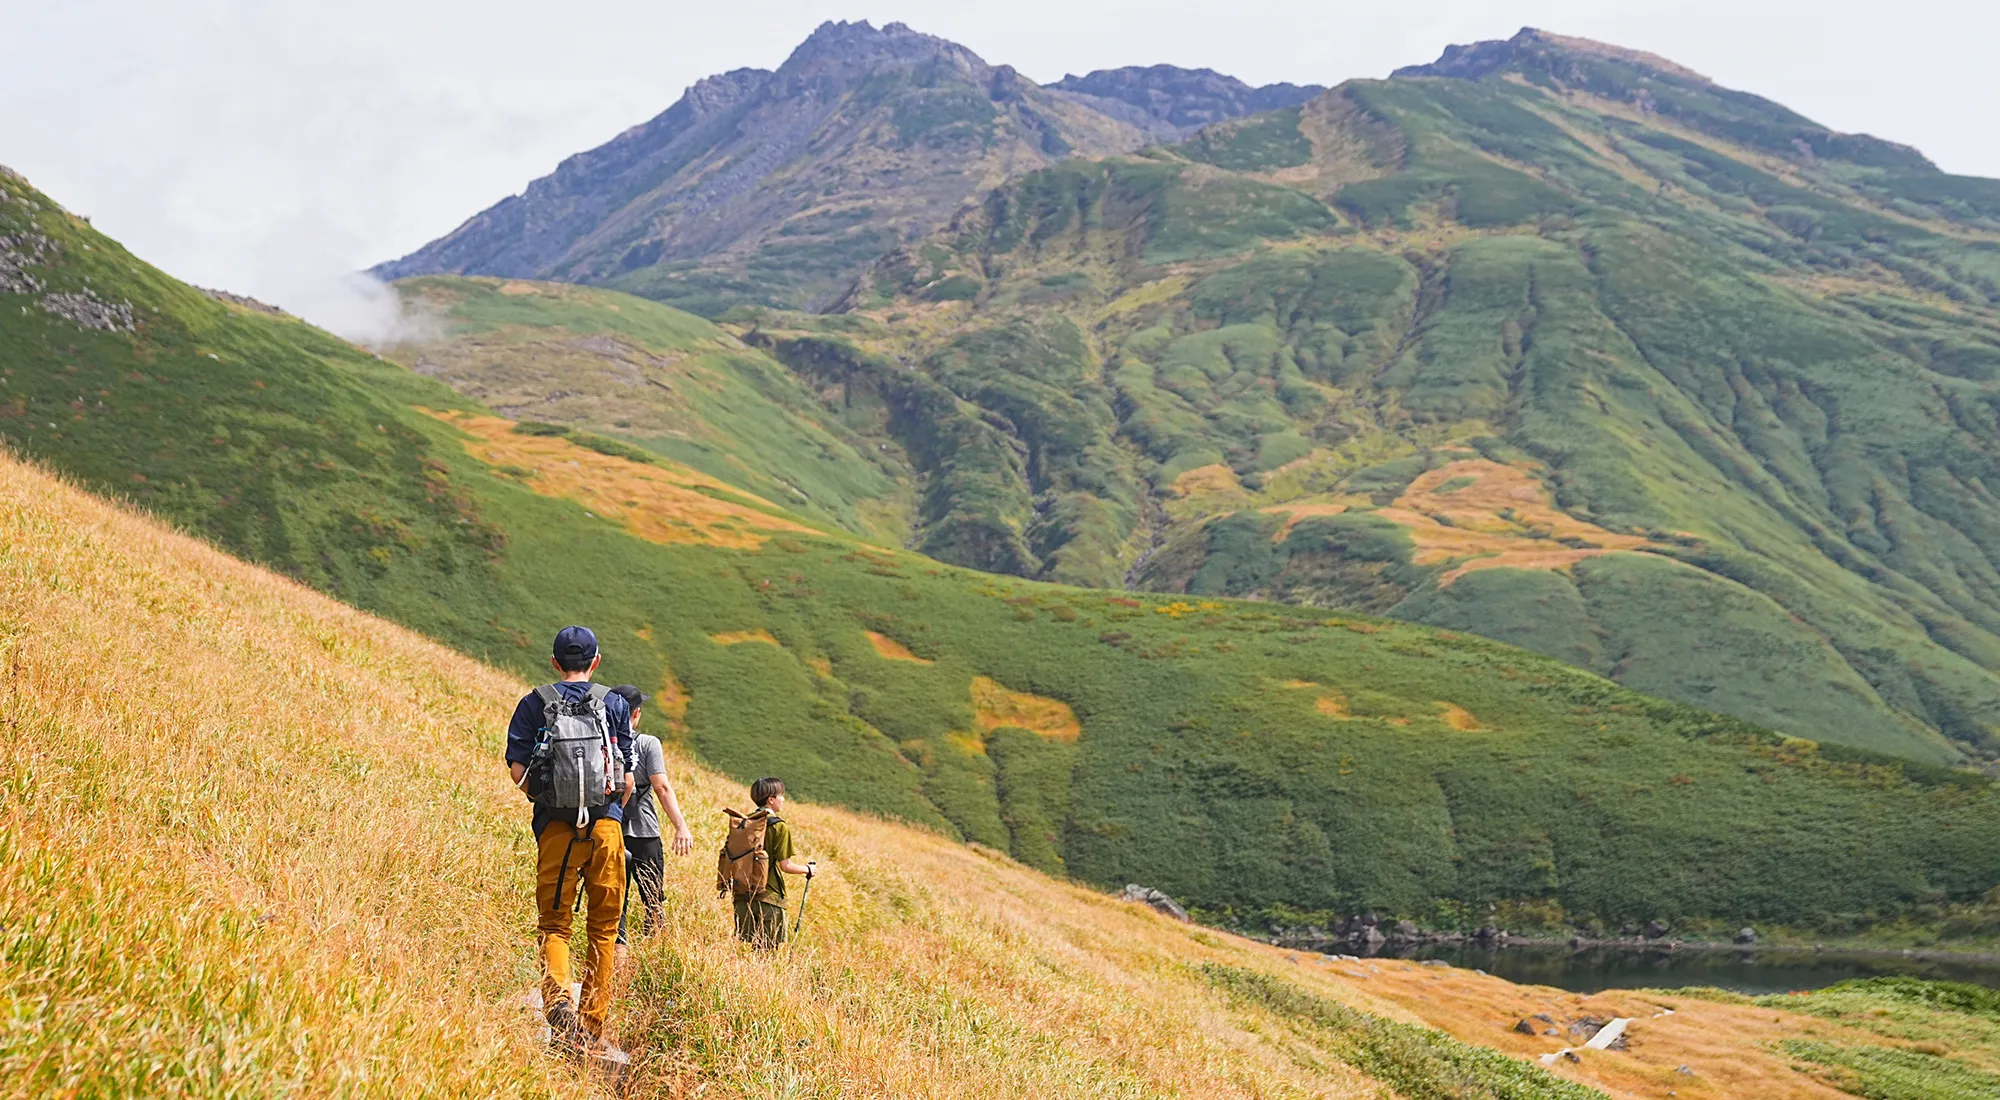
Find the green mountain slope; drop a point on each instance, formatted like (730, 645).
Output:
(1552, 342)
(1237, 754)
(662, 379)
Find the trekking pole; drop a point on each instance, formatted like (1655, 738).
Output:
(803, 896)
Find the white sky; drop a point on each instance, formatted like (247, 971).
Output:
(270, 147)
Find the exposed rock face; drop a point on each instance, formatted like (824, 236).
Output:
(780, 186)
(18, 253)
(1157, 899)
(1171, 102)
(242, 300)
(790, 179)
(87, 310)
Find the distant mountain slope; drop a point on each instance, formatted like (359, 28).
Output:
(1570, 348)
(778, 187)
(670, 382)
(1240, 755)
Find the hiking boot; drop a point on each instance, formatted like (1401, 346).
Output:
(565, 1028)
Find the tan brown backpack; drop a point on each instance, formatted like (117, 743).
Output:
(743, 868)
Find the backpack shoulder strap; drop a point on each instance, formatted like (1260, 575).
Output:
(551, 701)
(598, 692)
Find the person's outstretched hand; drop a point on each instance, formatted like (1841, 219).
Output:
(683, 842)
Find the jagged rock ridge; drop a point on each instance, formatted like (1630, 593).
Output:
(778, 186)
(1172, 102)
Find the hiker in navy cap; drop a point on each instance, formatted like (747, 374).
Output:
(569, 749)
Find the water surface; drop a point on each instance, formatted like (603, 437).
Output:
(1754, 972)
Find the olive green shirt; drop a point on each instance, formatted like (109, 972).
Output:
(777, 845)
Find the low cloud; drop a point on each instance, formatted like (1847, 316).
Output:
(307, 268)
(353, 305)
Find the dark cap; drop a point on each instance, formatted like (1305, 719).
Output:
(634, 698)
(575, 643)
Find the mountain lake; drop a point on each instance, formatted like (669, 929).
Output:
(1749, 971)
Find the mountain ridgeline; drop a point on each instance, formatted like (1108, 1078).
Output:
(778, 187)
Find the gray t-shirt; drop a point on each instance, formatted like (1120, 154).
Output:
(642, 817)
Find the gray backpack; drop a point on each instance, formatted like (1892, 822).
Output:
(579, 757)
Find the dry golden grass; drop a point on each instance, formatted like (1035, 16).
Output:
(251, 841)
(663, 503)
(1496, 516)
(995, 705)
(1730, 1048)
(1325, 700)
(234, 860)
(891, 649)
(1458, 718)
(738, 637)
(1206, 490)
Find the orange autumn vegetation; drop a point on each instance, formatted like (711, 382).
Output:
(892, 649)
(1482, 514)
(995, 705)
(661, 502)
(1467, 522)
(738, 637)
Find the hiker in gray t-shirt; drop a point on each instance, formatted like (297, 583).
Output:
(645, 862)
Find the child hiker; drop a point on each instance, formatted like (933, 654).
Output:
(760, 917)
(645, 861)
(569, 748)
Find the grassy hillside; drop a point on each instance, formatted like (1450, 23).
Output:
(259, 919)
(1571, 349)
(665, 380)
(1242, 756)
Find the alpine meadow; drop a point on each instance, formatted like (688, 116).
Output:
(1541, 490)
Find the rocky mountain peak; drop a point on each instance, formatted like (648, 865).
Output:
(859, 48)
(1535, 48)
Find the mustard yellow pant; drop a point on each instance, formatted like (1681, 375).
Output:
(594, 857)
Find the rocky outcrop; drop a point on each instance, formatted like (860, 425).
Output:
(87, 310)
(1171, 102)
(1157, 899)
(242, 300)
(19, 252)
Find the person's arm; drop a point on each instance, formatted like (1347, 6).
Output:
(794, 867)
(521, 732)
(664, 791)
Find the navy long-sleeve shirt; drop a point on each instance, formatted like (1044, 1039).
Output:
(526, 728)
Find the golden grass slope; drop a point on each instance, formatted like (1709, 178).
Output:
(255, 843)
(661, 501)
(250, 841)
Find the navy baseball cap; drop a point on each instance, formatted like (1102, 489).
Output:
(575, 643)
(633, 697)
